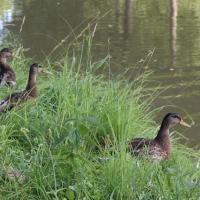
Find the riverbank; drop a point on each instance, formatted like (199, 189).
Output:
(71, 142)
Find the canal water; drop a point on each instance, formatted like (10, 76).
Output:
(131, 30)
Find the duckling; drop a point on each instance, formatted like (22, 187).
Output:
(7, 74)
(30, 91)
(158, 148)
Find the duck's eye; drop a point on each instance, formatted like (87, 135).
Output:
(176, 117)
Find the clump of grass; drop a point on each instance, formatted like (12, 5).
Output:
(71, 142)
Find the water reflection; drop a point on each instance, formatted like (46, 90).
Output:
(6, 17)
(134, 27)
(174, 13)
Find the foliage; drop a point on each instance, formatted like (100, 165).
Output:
(71, 142)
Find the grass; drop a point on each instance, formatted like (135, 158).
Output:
(71, 143)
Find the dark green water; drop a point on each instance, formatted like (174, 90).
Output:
(133, 28)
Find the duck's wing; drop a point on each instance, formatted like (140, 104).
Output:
(10, 101)
(13, 100)
(137, 145)
(8, 79)
(11, 77)
(3, 79)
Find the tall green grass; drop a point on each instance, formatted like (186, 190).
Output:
(71, 142)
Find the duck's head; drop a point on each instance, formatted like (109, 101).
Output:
(6, 53)
(35, 68)
(172, 119)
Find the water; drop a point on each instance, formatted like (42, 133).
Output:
(130, 29)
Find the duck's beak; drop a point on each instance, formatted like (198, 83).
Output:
(184, 124)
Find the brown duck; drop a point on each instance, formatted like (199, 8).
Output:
(7, 74)
(30, 91)
(158, 148)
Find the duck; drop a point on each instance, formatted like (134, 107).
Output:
(7, 74)
(159, 148)
(30, 92)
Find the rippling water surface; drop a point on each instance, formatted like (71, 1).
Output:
(133, 28)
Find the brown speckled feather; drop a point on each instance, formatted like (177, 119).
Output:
(141, 146)
(7, 75)
(158, 148)
(19, 97)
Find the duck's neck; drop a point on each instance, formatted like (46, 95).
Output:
(163, 136)
(31, 85)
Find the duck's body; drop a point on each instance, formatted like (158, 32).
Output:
(7, 74)
(158, 148)
(141, 146)
(30, 91)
